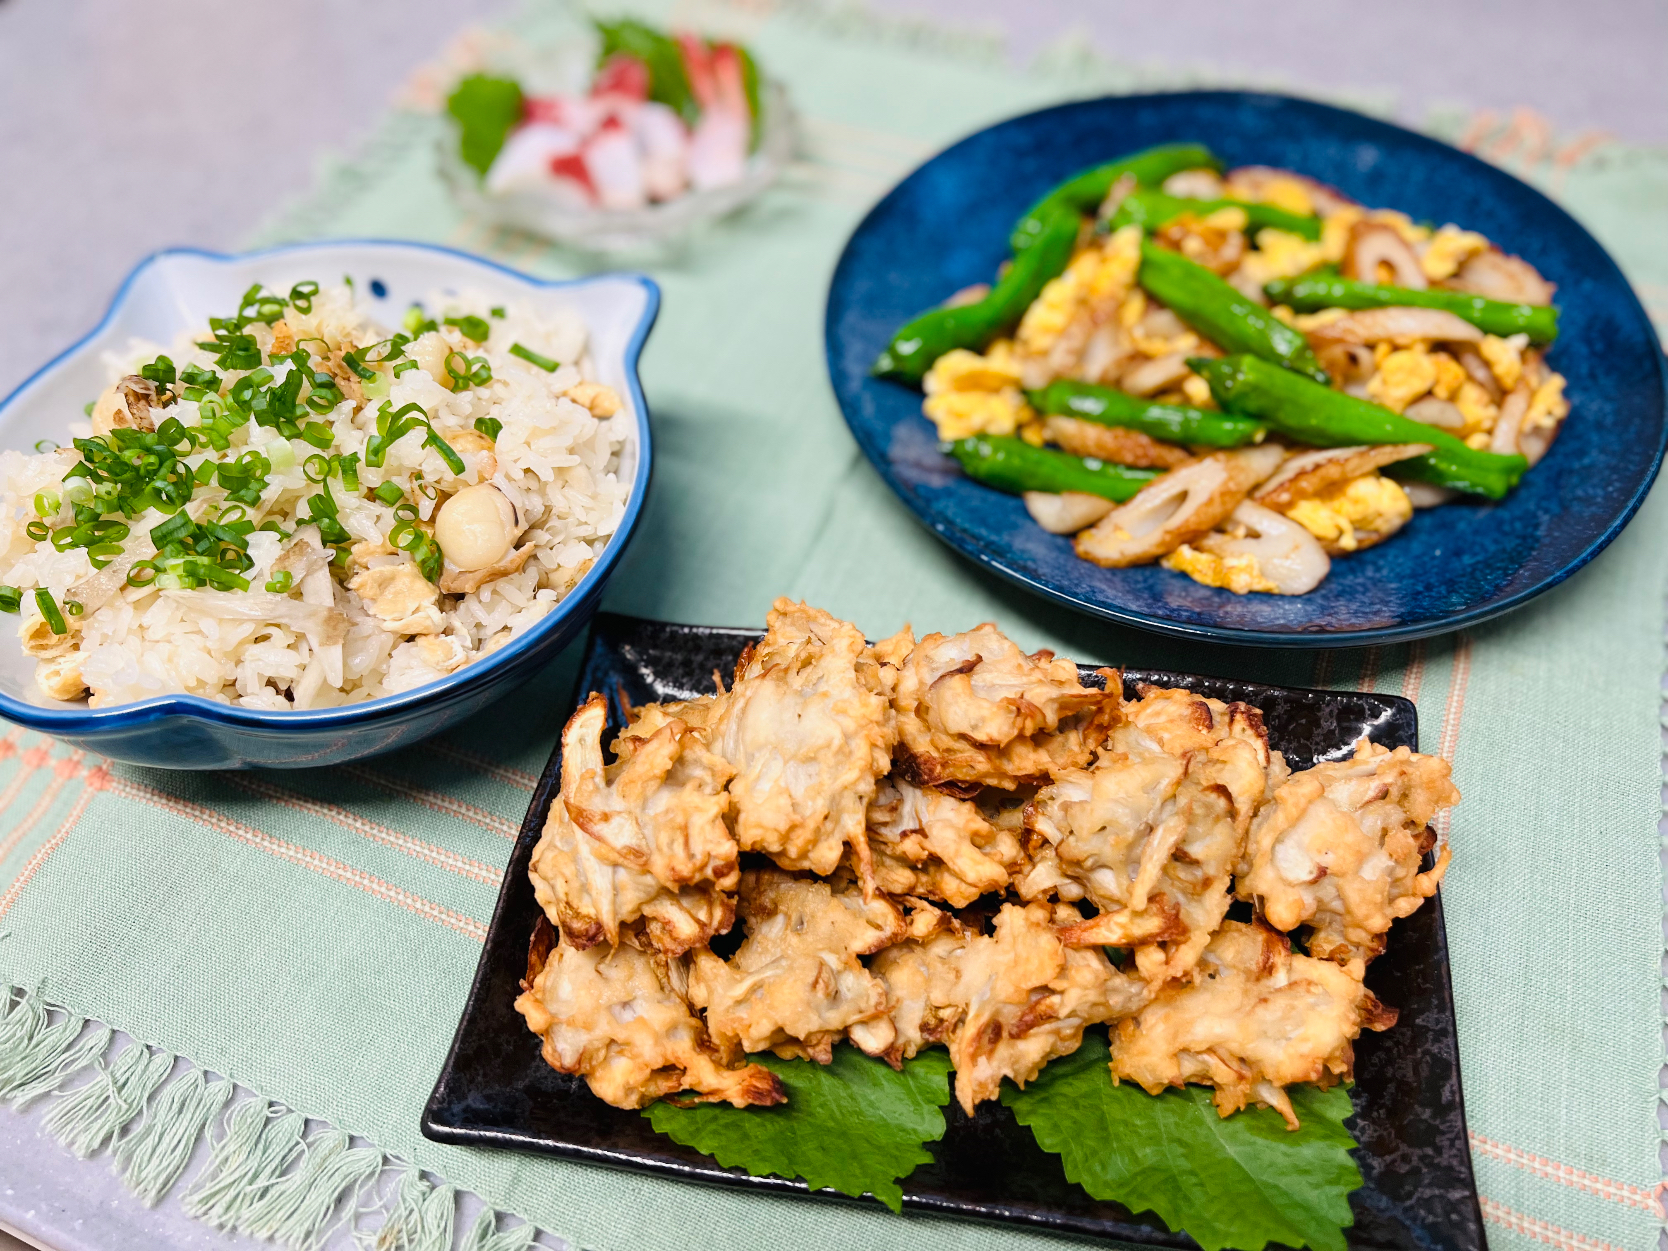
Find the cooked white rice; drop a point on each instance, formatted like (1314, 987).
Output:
(341, 633)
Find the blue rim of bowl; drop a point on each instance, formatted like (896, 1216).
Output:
(124, 716)
(970, 547)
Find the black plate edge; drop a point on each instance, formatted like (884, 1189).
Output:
(685, 1164)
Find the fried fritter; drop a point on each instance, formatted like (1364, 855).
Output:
(808, 730)
(1337, 848)
(795, 985)
(975, 710)
(1254, 1019)
(618, 1017)
(934, 846)
(1152, 831)
(921, 976)
(644, 837)
(1026, 997)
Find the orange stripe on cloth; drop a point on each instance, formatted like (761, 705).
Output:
(435, 801)
(1541, 1231)
(1413, 676)
(65, 769)
(518, 778)
(1458, 679)
(301, 856)
(45, 850)
(1567, 1175)
(1369, 670)
(416, 848)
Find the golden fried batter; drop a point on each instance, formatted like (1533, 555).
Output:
(795, 985)
(644, 837)
(934, 846)
(1153, 830)
(921, 976)
(618, 1017)
(1255, 1019)
(1026, 998)
(808, 731)
(1338, 848)
(974, 709)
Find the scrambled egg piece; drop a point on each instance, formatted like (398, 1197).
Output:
(1476, 407)
(1371, 504)
(969, 394)
(1403, 376)
(1098, 273)
(1504, 357)
(1238, 574)
(1547, 406)
(1450, 247)
(1197, 391)
(1232, 217)
(1314, 321)
(1283, 193)
(1450, 376)
(1335, 228)
(1401, 223)
(1280, 254)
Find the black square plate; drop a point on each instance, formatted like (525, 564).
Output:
(495, 1090)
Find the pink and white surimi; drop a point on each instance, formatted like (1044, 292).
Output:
(617, 149)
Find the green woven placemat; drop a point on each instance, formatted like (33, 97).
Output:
(312, 935)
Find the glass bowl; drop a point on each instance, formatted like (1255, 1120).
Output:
(623, 230)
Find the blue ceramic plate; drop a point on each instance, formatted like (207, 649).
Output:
(947, 224)
(177, 290)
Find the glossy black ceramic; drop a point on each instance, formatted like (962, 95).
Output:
(495, 1090)
(946, 226)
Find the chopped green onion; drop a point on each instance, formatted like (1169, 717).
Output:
(74, 607)
(46, 503)
(416, 323)
(403, 366)
(474, 370)
(316, 468)
(196, 376)
(176, 527)
(280, 582)
(533, 358)
(37, 530)
(271, 526)
(475, 329)
(497, 310)
(101, 554)
(301, 296)
(142, 567)
(318, 434)
(11, 599)
(489, 426)
(359, 368)
(49, 610)
(160, 371)
(389, 493)
(86, 410)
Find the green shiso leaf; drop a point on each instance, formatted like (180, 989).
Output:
(668, 81)
(486, 110)
(855, 1125)
(1242, 1182)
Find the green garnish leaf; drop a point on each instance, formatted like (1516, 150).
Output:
(49, 610)
(486, 109)
(475, 329)
(389, 493)
(659, 52)
(854, 1126)
(1242, 1182)
(489, 426)
(534, 358)
(11, 599)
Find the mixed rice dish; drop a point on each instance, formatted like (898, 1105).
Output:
(1241, 376)
(295, 508)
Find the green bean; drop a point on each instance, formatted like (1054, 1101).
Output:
(1497, 317)
(1310, 413)
(1231, 320)
(1175, 422)
(1152, 209)
(1084, 192)
(1013, 465)
(923, 340)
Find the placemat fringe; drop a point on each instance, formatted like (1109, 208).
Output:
(265, 1176)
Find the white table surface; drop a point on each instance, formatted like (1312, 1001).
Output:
(93, 123)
